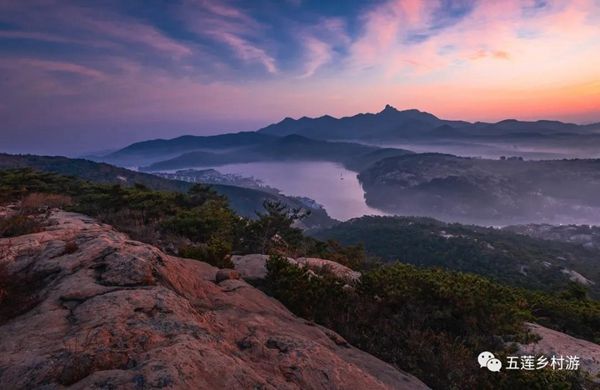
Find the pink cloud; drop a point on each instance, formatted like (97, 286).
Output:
(385, 29)
(221, 9)
(415, 12)
(319, 42)
(319, 53)
(247, 51)
(138, 33)
(497, 54)
(36, 36)
(491, 31)
(53, 66)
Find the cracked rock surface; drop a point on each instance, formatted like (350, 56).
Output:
(113, 313)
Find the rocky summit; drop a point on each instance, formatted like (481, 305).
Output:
(97, 310)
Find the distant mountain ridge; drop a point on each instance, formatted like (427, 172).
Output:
(291, 147)
(149, 150)
(388, 121)
(388, 126)
(393, 124)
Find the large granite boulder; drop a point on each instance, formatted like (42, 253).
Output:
(104, 312)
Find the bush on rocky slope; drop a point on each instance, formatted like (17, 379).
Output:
(504, 256)
(429, 322)
(197, 223)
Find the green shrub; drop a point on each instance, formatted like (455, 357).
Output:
(216, 253)
(352, 256)
(273, 232)
(19, 225)
(429, 322)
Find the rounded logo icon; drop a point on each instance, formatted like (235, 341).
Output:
(494, 365)
(484, 357)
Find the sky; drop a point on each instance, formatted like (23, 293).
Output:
(86, 76)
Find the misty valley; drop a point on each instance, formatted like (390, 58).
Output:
(329, 184)
(491, 174)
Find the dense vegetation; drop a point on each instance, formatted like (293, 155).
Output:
(433, 323)
(505, 256)
(245, 201)
(485, 191)
(587, 236)
(196, 224)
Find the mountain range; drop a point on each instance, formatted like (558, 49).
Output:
(291, 147)
(311, 139)
(391, 124)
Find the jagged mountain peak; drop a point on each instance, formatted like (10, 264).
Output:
(388, 108)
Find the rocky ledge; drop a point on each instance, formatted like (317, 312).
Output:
(254, 266)
(105, 312)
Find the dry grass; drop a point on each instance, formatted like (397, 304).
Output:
(18, 225)
(38, 202)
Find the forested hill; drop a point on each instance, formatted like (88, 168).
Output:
(505, 256)
(485, 191)
(244, 201)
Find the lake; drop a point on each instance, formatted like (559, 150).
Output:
(330, 184)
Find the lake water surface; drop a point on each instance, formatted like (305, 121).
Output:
(330, 184)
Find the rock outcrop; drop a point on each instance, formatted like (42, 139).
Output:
(254, 266)
(556, 343)
(106, 312)
(337, 269)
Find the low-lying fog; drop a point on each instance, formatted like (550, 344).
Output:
(339, 191)
(529, 151)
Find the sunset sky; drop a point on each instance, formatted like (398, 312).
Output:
(76, 76)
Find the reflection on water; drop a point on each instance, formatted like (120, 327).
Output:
(330, 184)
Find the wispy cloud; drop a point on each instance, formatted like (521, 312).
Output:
(136, 33)
(37, 36)
(319, 53)
(67, 22)
(322, 43)
(247, 51)
(230, 26)
(55, 66)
